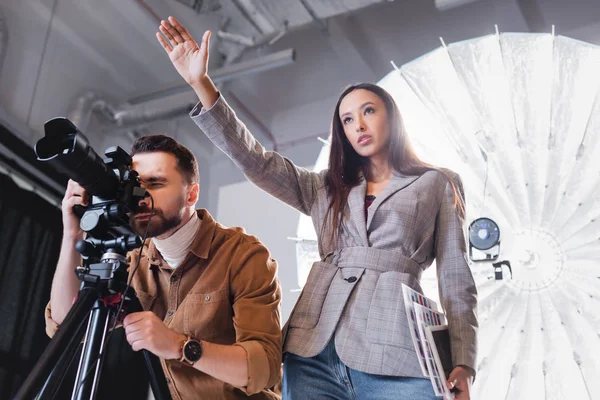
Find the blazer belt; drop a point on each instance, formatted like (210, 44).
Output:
(373, 259)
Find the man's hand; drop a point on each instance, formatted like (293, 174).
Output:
(145, 330)
(462, 379)
(74, 195)
(189, 59)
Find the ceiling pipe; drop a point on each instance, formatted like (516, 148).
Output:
(236, 38)
(254, 16)
(85, 105)
(229, 72)
(129, 118)
(135, 117)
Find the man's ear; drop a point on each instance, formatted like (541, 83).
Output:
(193, 193)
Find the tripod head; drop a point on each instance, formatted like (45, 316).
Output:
(112, 265)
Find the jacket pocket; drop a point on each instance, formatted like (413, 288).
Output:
(146, 300)
(207, 315)
(387, 322)
(310, 304)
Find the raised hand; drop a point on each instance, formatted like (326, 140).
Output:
(189, 59)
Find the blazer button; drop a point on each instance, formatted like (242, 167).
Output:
(352, 279)
(169, 313)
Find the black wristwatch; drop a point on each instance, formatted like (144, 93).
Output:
(191, 351)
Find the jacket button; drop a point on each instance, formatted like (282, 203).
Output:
(170, 313)
(352, 279)
(207, 298)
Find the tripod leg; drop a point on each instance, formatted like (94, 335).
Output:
(59, 372)
(66, 336)
(158, 382)
(90, 364)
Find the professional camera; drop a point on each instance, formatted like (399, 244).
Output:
(115, 191)
(111, 182)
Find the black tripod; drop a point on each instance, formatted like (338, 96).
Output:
(104, 292)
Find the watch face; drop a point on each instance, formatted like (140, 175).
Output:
(193, 350)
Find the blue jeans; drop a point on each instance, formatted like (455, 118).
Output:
(326, 377)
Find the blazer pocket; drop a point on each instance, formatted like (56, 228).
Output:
(206, 315)
(308, 309)
(387, 322)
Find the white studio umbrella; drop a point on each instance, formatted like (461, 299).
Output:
(517, 115)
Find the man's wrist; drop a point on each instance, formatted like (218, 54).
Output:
(72, 237)
(178, 346)
(191, 351)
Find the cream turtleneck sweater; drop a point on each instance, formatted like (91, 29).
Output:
(175, 248)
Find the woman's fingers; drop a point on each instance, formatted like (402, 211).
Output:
(180, 30)
(168, 48)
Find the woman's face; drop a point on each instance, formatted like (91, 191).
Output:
(364, 117)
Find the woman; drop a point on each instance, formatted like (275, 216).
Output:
(381, 216)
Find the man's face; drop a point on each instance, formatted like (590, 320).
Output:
(172, 195)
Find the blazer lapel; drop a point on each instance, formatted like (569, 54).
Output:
(398, 182)
(356, 205)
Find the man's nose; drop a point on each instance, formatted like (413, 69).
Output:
(144, 202)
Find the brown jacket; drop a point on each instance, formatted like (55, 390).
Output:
(226, 291)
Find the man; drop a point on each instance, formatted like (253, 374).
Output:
(206, 289)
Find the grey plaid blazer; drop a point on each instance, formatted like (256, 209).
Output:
(355, 291)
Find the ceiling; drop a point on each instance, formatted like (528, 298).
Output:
(82, 57)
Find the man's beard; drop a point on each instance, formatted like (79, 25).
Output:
(157, 225)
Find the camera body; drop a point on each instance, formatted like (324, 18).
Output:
(105, 213)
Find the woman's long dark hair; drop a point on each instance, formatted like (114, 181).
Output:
(346, 165)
